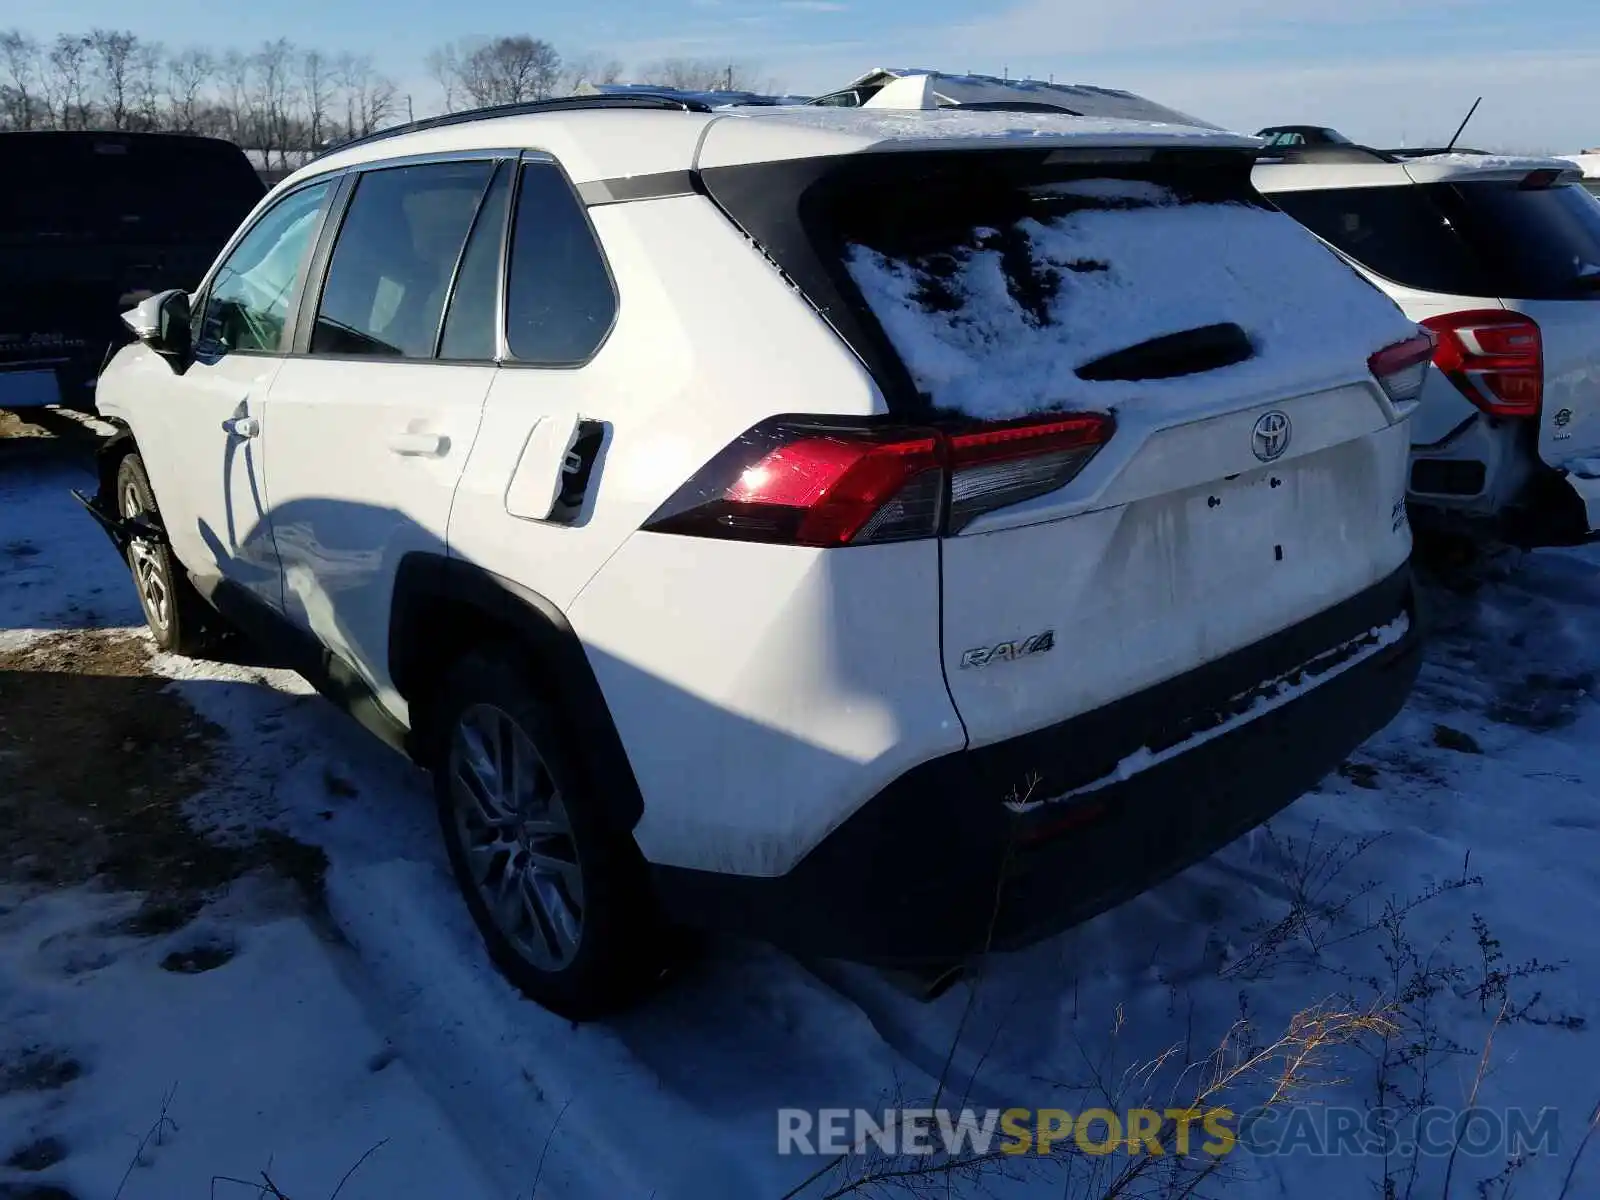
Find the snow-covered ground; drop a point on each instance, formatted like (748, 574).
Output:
(300, 1038)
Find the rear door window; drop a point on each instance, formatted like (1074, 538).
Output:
(395, 257)
(1538, 243)
(1395, 232)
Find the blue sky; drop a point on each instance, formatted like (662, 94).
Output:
(1382, 70)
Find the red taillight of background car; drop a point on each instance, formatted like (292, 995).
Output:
(1495, 359)
(805, 482)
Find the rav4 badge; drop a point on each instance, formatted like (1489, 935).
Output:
(983, 656)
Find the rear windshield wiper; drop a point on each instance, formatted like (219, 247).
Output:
(1207, 348)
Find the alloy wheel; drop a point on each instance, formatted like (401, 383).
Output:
(516, 836)
(148, 571)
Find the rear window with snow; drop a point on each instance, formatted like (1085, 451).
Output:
(1005, 295)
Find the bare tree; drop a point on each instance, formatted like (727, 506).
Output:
(239, 117)
(149, 63)
(444, 68)
(273, 90)
(370, 98)
(590, 69)
(19, 98)
(510, 69)
(698, 75)
(111, 52)
(188, 73)
(67, 80)
(316, 94)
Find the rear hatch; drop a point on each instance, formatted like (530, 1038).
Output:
(1166, 440)
(86, 219)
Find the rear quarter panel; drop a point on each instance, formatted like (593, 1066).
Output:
(1569, 423)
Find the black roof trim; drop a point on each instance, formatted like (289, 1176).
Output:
(527, 108)
(1023, 106)
(1426, 151)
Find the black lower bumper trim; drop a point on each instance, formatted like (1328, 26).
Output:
(1547, 512)
(938, 867)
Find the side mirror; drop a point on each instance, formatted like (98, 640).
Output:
(161, 322)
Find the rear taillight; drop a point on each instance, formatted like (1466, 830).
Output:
(1000, 465)
(805, 482)
(1495, 359)
(1401, 369)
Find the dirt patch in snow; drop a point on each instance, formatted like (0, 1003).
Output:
(98, 760)
(13, 426)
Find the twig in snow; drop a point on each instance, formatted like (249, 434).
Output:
(1472, 1098)
(538, 1173)
(265, 1190)
(153, 1134)
(371, 1150)
(1572, 1167)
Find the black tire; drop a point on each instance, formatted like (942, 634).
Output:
(616, 955)
(179, 624)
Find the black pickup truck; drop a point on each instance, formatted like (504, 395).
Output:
(90, 220)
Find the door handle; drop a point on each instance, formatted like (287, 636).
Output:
(420, 445)
(245, 427)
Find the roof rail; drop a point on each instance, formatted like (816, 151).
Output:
(527, 108)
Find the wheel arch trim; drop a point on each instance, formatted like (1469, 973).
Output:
(424, 579)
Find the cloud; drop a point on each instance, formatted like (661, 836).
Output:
(1533, 101)
(1086, 26)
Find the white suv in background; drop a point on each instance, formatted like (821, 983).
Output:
(1500, 258)
(790, 521)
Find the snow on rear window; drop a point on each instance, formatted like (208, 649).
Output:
(997, 324)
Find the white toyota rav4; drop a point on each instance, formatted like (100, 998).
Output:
(1500, 257)
(822, 525)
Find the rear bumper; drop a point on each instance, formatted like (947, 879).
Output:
(919, 873)
(1554, 507)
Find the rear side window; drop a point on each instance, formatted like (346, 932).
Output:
(395, 257)
(1395, 232)
(559, 299)
(1538, 243)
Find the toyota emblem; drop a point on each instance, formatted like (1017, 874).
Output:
(1270, 438)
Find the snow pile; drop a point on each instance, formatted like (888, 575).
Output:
(902, 125)
(1121, 275)
(1491, 162)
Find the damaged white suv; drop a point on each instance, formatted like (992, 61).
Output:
(802, 522)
